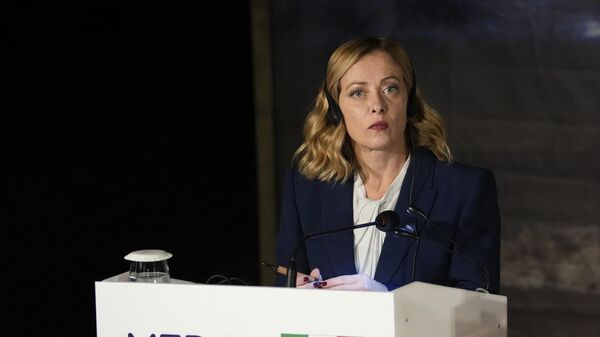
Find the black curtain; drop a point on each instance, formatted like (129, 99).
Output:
(130, 126)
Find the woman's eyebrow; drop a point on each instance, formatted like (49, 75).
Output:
(382, 80)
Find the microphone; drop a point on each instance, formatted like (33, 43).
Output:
(386, 221)
(415, 211)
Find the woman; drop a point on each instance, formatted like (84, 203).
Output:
(372, 144)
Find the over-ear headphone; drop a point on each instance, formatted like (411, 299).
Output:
(412, 105)
(334, 113)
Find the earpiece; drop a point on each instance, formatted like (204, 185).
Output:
(412, 106)
(334, 113)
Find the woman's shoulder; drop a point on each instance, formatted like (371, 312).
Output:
(460, 168)
(295, 177)
(455, 170)
(295, 180)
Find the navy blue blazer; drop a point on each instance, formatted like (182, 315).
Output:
(459, 199)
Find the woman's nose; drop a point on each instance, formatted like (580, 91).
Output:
(377, 104)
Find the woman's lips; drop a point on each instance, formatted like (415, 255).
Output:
(379, 126)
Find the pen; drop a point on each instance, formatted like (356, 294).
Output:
(283, 271)
(279, 269)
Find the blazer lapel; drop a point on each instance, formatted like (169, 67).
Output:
(417, 188)
(336, 212)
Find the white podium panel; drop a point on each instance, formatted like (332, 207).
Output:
(128, 309)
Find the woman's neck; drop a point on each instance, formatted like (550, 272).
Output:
(379, 169)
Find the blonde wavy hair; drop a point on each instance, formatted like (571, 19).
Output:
(326, 153)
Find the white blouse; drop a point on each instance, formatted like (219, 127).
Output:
(369, 240)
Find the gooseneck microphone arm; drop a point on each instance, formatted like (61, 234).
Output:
(291, 269)
(413, 210)
(386, 221)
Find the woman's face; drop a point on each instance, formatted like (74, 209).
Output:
(373, 101)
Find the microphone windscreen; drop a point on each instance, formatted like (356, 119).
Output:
(387, 221)
(415, 211)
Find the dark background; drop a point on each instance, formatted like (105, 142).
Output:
(129, 126)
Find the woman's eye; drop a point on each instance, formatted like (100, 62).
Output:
(357, 93)
(390, 89)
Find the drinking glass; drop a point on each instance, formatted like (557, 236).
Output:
(149, 265)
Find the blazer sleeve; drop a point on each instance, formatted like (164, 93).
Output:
(478, 234)
(290, 229)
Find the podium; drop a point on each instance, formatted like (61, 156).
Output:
(180, 308)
